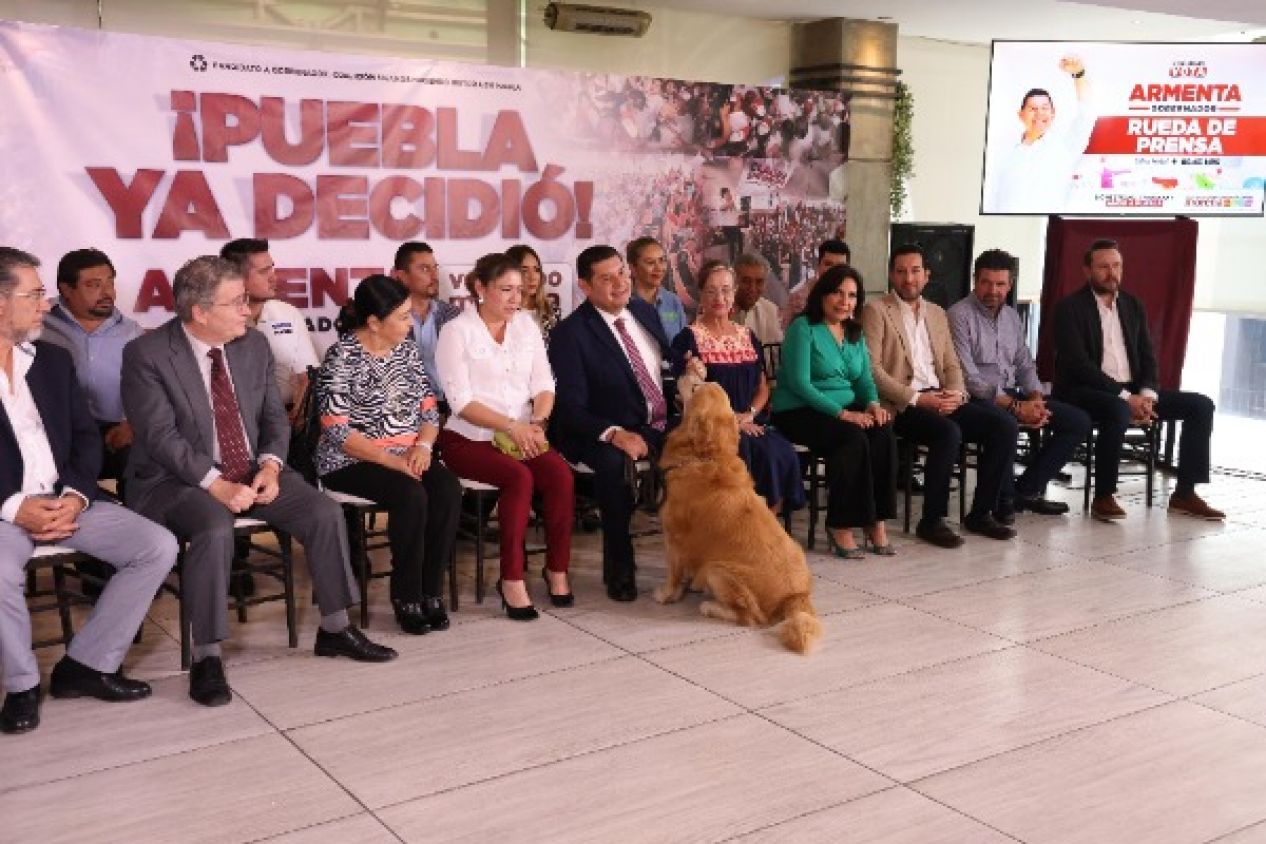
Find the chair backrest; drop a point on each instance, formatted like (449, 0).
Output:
(773, 359)
(303, 439)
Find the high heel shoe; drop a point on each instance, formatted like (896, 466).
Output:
(843, 553)
(565, 600)
(527, 613)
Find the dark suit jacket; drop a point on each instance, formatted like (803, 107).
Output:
(170, 411)
(595, 385)
(1079, 344)
(72, 434)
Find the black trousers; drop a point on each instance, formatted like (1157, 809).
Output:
(990, 426)
(421, 521)
(1112, 415)
(861, 465)
(615, 499)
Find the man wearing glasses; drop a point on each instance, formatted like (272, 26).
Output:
(50, 454)
(210, 432)
(416, 268)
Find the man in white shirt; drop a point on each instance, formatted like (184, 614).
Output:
(751, 308)
(1034, 175)
(830, 253)
(50, 454)
(1104, 364)
(280, 322)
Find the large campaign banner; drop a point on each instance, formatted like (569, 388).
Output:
(156, 150)
(1118, 128)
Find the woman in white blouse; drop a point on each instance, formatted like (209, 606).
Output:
(500, 388)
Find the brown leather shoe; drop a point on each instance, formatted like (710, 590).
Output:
(1194, 505)
(1106, 509)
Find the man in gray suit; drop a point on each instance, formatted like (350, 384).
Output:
(50, 453)
(210, 430)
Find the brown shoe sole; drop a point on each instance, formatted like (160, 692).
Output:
(1208, 517)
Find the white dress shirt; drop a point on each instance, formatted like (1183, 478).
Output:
(920, 349)
(763, 319)
(1116, 360)
(39, 468)
(291, 344)
(502, 376)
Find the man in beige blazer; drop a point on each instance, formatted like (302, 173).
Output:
(920, 380)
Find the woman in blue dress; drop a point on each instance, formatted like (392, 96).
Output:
(719, 350)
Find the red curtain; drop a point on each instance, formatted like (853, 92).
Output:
(1160, 270)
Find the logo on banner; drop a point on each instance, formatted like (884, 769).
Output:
(198, 63)
(1189, 69)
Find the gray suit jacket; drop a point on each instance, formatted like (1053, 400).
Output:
(170, 410)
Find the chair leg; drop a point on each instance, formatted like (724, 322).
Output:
(1089, 465)
(1152, 444)
(288, 584)
(360, 558)
(63, 603)
(815, 492)
(479, 547)
(910, 453)
(962, 482)
(452, 579)
(185, 658)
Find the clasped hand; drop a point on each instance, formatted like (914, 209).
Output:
(49, 519)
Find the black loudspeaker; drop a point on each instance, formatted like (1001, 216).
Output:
(947, 251)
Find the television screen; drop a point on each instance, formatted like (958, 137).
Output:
(1104, 128)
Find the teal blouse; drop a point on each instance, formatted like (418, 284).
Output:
(820, 373)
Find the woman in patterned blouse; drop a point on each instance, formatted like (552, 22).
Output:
(536, 303)
(501, 389)
(378, 429)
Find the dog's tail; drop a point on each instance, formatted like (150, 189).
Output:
(800, 627)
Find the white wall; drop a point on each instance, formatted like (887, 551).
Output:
(950, 85)
(684, 45)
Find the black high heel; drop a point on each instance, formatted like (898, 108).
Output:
(566, 600)
(527, 613)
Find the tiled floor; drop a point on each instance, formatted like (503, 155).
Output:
(1086, 682)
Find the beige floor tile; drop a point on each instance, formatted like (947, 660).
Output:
(1142, 528)
(83, 735)
(1177, 773)
(698, 784)
(922, 568)
(1245, 699)
(902, 727)
(644, 625)
(1047, 603)
(1258, 594)
(358, 829)
(1255, 834)
(753, 670)
(305, 689)
(1226, 562)
(895, 816)
(241, 791)
(486, 733)
(1180, 650)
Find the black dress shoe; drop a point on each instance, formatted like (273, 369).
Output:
(207, 683)
(527, 613)
(565, 600)
(624, 589)
(351, 642)
(1041, 506)
(1004, 517)
(74, 679)
(987, 525)
(938, 533)
(21, 712)
(436, 613)
(411, 616)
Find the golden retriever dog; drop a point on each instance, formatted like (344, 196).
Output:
(722, 537)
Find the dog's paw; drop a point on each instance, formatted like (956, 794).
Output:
(664, 595)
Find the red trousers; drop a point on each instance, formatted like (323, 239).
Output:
(517, 480)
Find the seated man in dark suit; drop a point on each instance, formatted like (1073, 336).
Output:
(1105, 365)
(607, 358)
(210, 429)
(50, 454)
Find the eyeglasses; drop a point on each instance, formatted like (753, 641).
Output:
(239, 303)
(34, 295)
